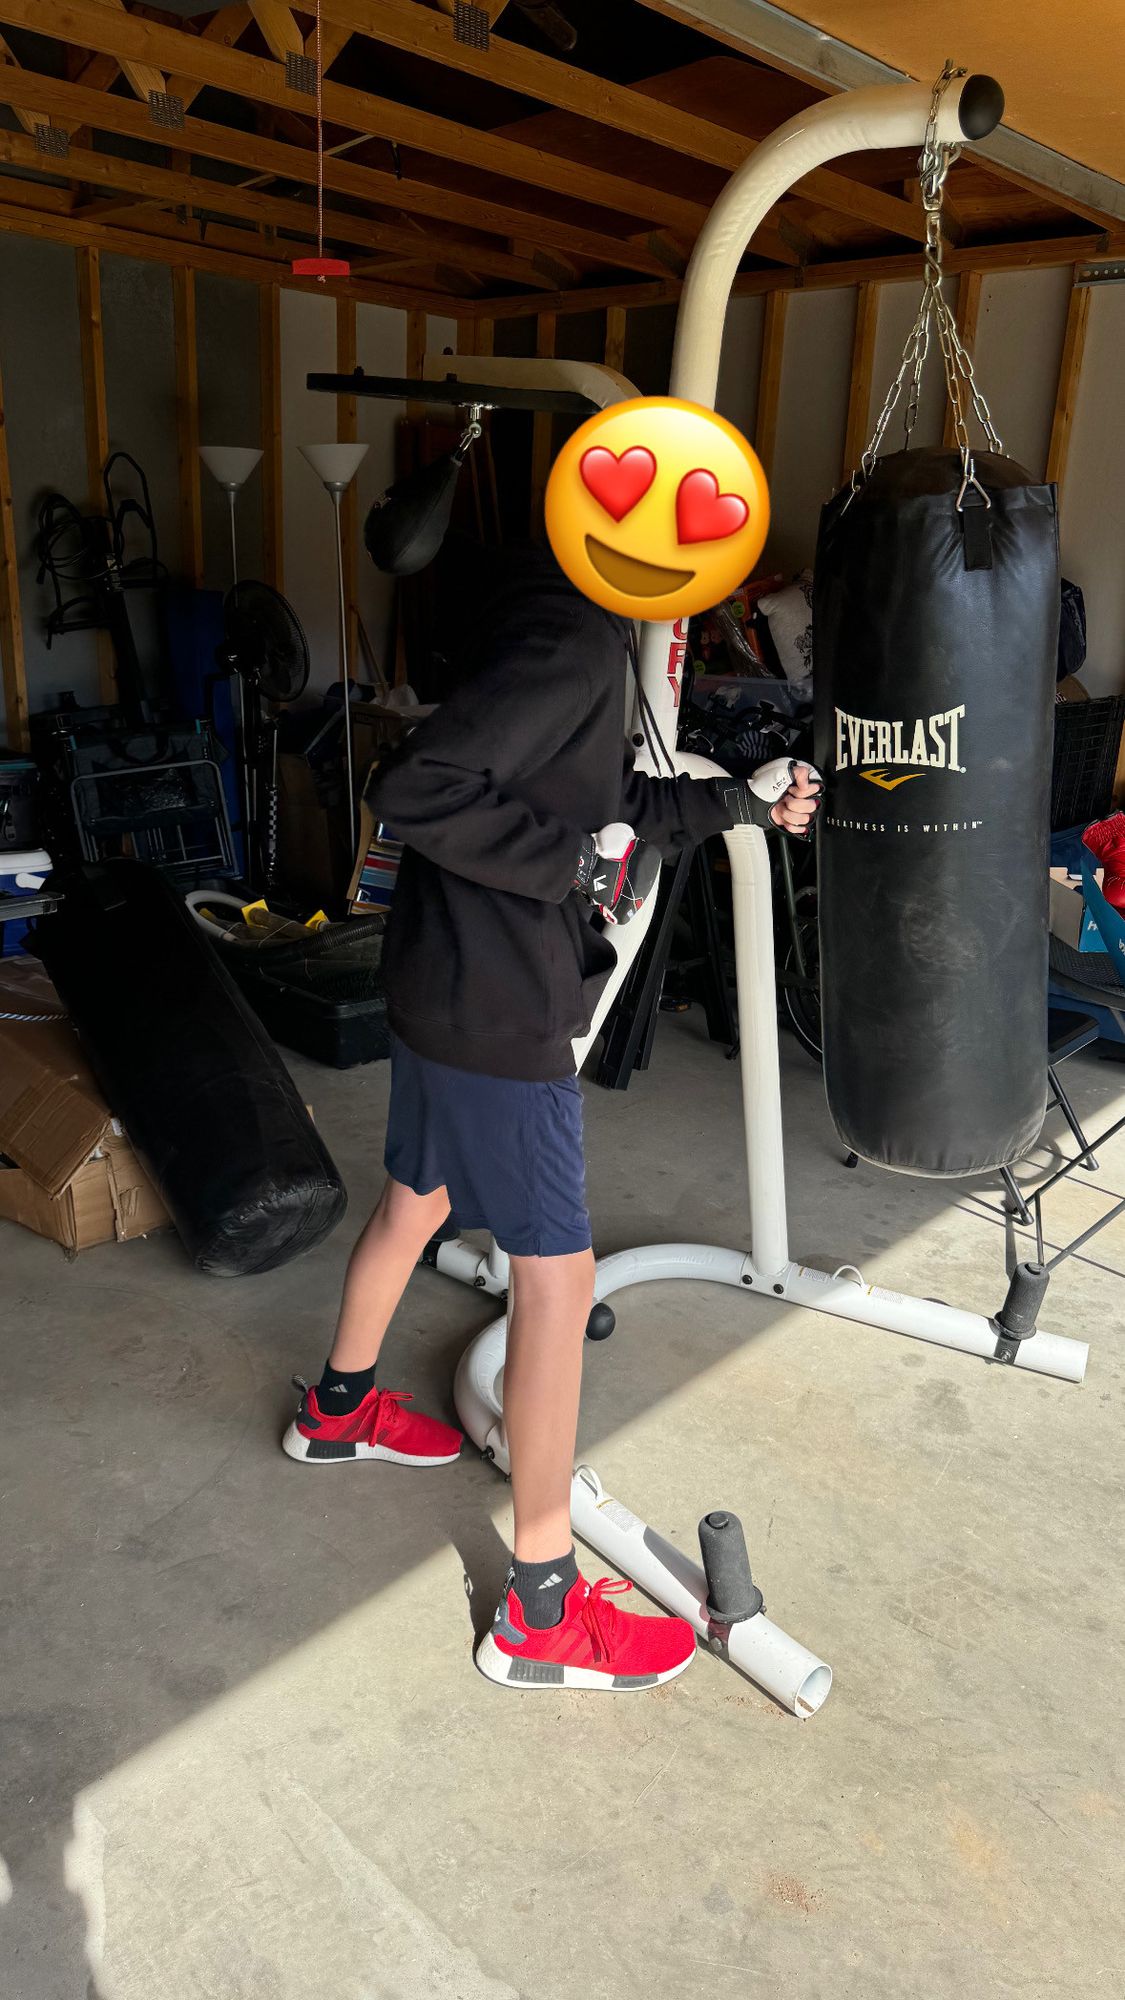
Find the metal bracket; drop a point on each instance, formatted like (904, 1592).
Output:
(166, 109)
(53, 140)
(1112, 272)
(300, 72)
(470, 25)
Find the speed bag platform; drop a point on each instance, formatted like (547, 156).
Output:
(193, 1076)
(935, 632)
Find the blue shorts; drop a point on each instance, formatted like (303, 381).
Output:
(508, 1154)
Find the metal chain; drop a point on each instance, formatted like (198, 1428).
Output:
(933, 312)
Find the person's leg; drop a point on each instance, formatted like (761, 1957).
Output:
(345, 1416)
(551, 1300)
(379, 1271)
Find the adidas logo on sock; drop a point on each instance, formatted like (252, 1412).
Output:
(548, 1581)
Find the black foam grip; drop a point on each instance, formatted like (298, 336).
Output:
(981, 106)
(731, 1591)
(189, 1070)
(1020, 1311)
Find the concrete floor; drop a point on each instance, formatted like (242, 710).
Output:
(246, 1754)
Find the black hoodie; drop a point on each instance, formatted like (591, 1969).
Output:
(492, 961)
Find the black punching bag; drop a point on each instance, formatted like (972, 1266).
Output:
(935, 635)
(190, 1071)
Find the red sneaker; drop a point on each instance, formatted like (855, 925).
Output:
(380, 1428)
(593, 1646)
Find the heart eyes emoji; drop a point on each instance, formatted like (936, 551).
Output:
(619, 483)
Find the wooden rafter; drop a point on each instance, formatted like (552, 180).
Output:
(8, 60)
(225, 28)
(280, 32)
(215, 197)
(333, 38)
(59, 101)
(142, 77)
(404, 25)
(95, 25)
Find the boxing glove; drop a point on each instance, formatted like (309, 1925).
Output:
(617, 872)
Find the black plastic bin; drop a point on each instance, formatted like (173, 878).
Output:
(322, 994)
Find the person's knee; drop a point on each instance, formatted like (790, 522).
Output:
(570, 1275)
(402, 1208)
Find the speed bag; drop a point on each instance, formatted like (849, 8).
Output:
(935, 635)
(189, 1070)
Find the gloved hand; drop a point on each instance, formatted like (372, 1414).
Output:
(784, 793)
(617, 872)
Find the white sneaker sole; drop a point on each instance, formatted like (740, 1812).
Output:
(509, 1670)
(319, 1451)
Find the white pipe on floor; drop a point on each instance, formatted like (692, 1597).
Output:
(922, 1319)
(757, 1647)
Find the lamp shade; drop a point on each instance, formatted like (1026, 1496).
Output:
(336, 464)
(230, 464)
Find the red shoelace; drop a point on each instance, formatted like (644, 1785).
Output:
(384, 1411)
(600, 1618)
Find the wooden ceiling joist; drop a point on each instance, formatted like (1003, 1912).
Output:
(181, 250)
(403, 24)
(1037, 255)
(214, 197)
(51, 98)
(94, 25)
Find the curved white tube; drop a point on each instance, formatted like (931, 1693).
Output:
(855, 121)
(796, 1678)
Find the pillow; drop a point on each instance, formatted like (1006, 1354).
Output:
(789, 614)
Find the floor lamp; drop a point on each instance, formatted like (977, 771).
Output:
(231, 465)
(336, 466)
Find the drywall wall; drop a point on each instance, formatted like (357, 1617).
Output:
(816, 366)
(1020, 328)
(41, 367)
(230, 412)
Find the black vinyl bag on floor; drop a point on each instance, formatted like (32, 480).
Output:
(935, 636)
(193, 1076)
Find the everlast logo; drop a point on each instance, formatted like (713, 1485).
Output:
(932, 741)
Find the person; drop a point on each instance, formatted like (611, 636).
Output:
(493, 964)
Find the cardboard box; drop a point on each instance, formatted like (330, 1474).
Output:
(73, 1175)
(1070, 920)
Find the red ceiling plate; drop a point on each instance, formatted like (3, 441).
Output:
(321, 267)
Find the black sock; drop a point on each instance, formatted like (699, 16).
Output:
(339, 1392)
(541, 1588)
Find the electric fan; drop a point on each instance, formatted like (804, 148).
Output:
(266, 648)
